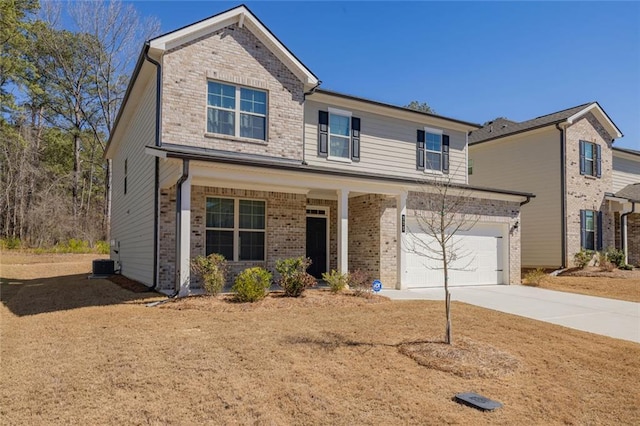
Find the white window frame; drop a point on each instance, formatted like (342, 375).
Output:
(438, 132)
(591, 160)
(342, 113)
(594, 219)
(236, 227)
(237, 111)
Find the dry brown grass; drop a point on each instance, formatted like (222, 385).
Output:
(77, 351)
(601, 286)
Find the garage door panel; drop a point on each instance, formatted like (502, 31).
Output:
(480, 260)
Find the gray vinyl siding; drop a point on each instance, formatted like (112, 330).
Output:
(132, 222)
(529, 163)
(625, 171)
(387, 145)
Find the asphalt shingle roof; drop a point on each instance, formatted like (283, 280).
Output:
(630, 192)
(502, 127)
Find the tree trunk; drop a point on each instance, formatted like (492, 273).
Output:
(76, 172)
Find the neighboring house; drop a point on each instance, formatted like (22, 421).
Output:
(224, 143)
(625, 202)
(566, 159)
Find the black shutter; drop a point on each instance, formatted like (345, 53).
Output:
(599, 235)
(598, 161)
(445, 154)
(583, 227)
(420, 150)
(582, 160)
(355, 139)
(323, 133)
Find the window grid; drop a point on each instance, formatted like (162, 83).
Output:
(236, 111)
(241, 238)
(590, 230)
(589, 158)
(433, 151)
(339, 135)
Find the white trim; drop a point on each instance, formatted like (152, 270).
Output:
(339, 112)
(433, 131)
(343, 230)
(340, 159)
(327, 218)
(612, 128)
(241, 16)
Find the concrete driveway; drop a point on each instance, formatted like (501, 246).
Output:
(608, 317)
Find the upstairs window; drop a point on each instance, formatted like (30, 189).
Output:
(338, 135)
(590, 159)
(432, 151)
(236, 111)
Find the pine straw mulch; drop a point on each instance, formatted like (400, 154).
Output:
(275, 300)
(595, 271)
(465, 358)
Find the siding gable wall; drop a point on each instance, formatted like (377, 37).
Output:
(132, 219)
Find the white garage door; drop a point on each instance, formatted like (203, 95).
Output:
(480, 263)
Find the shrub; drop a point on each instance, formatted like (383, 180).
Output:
(252, 284)
(615, 256)
(11, 243)
(102, 247)
(359, 281)
(294, 278)
(337, 281)
(626, 267)
(535, 277)
(582, 258)
(212, 270)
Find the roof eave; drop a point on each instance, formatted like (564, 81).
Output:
(609, 125)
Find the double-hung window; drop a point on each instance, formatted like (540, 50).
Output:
(590, 159)
(432, 151)
(236, 111)
(591, 230)
(339, 134)
(236, 228)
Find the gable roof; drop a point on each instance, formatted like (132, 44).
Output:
(500, 127)
(626, 150)
(243, 17)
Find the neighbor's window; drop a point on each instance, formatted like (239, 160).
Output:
(339, 135)
(235, 228)
(236, 111)
(590, 159)
(433, 151)
(470, 167)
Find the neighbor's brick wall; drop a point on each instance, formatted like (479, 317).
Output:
(633, 238)
(587, 192)
(286, 228)
(487, 211)
(236, 56)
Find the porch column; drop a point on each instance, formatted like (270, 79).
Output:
(184, 254)
(401, 207)
(343, 231)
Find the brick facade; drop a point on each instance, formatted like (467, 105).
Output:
(231, 55)
(587, 192)
(633, 237)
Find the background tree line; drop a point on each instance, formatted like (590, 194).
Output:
(64, 69)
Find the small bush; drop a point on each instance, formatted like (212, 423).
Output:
(359, 281)
(626, 267)
(10, 243)
(294, 278)
(212, 270)
(102, 247)
(535, 277)
(337, 281)
(615, 256)
(582, 258)
(252, 284)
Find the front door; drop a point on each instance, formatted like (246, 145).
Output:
(317, 245)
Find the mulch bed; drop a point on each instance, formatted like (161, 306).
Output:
(129, 284)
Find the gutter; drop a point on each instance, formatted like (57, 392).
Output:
(304, 118)
(183, 178)
(563, 198)
(623, 231)
(156, 200)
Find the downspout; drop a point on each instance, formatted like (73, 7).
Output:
(563, 199)
(184, 177)
(304, 118)
(156, 200)
(526, 201)
(623, 231)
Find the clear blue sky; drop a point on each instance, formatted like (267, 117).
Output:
(472, 61)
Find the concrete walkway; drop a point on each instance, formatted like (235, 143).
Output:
(608, 317)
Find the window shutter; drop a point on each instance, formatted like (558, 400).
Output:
(598, 161)
(420, 150)
(445, 154)
(583, 227)
(599, 234)
(582, 160)
(323, 133)
(355, 139)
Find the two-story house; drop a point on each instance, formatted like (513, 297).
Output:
(225, 143)
(566, 158)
